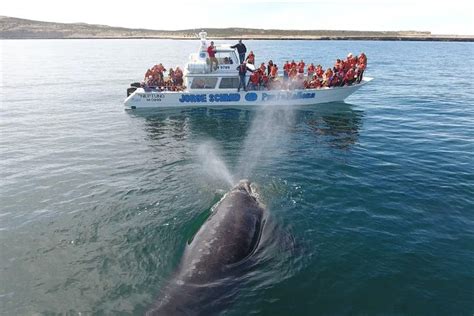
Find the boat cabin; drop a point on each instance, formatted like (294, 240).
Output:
(198, 74)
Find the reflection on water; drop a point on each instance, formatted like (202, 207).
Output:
(337, 124)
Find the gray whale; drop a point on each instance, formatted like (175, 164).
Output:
(212, 260)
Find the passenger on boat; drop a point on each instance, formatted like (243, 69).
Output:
(361, 65)
(310, 71)
(274, 72)
(334, 80)
(340, 75)
(293, 63)
(264, 81)
(242, 68)
(300, 67)
(262, 68)
(319, 71)
(251, 58)
(286, 70)
(293, 72)
(362, 59)
(171, 75)
(269, 67)
(360, 72)
(350, 77)
(241, 50)
(254, 81)
(352, 60)
(211, 51)
(347, 62)
(327, 77)
(148, 74)
(315, 83)
(178, 74)
(159, 70)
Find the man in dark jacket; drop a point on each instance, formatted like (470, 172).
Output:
(241, 49)
(242, 68)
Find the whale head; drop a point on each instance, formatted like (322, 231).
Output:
(248, 187)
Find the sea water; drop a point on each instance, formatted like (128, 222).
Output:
(377, 193)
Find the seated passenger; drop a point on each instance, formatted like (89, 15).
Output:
(327, 77)
(293, 72)
(262, 67)
(360, 72)
(350, 77)
(149, 81)
(300, 67)
(353, 61)
(254, 80)
(340, 75)
(159, 70)
(315, 83)
(286, 70)
(274, 72)
(334, 81)
(178, 74)
(348, 62)
(269, 67)
(311, 70)
(362, 59)
(319, 71)
(148, 73)
(171, 75)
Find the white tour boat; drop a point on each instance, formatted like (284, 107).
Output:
(219, 88)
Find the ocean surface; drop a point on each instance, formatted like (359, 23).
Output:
(371, 201)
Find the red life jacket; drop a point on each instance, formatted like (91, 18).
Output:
(255, 78)
(211, 51)
(349, 75)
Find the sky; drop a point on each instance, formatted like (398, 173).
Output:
(438, 17)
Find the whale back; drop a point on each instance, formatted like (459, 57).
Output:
(229, 236)
(226, 239)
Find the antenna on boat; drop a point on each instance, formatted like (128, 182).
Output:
(203, 37)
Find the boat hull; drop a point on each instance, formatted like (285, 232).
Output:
(230, 97)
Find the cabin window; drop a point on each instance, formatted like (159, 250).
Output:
(229, 83)
(204, 83)
(224, 58)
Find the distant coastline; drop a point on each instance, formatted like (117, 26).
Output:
(16, 28)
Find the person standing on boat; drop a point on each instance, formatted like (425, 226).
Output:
(241, 49)
(242, 73)
(211, 50)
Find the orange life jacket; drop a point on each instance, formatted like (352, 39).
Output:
(273, 71)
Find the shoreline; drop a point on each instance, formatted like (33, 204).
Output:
(16, 29)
